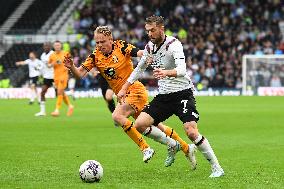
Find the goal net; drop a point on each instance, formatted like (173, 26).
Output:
(263, 75)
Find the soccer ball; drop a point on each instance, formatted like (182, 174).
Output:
(91, 171)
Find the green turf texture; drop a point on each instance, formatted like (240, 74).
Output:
(247, 134)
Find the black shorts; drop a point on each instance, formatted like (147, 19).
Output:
(103, 85)
(181, 104)
(33, 80)
(48, 82)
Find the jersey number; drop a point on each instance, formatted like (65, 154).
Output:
(184, 102)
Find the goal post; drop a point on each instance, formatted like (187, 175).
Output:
(261, 72)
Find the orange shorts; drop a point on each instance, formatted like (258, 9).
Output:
(137, 97)
(61, 83)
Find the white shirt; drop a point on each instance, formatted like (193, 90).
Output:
(168, 56)
(47, 72)
(34, 67)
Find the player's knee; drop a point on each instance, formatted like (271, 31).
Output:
(117, 117)
(109, 95)
(43, 92)
(191, 130)
(140, 125)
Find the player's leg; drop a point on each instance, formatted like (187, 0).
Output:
(174, 135)
(71, 86)
(108, 96)
(107, 93)
(144, 123)
(188, 149)
(59, 98)
(33, 95)
(137, 98)
(44, 89)
(109, 99)
(66, 98)
(204, 147)
(120, 114)
(46, 84)
(185, 109)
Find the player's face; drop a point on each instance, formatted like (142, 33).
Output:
(32, 56)
(154, 32)
(103, 43)
(46, 47)
(57, 46)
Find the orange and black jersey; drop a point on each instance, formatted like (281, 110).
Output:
(116, 66)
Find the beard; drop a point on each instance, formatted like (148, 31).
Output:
(156, 40)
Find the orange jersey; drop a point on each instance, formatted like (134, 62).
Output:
(56, 59)
(115, 67)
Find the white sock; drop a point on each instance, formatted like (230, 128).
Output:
(38, 97)
(204, 147)
(33, 95)
(42, 106)
(159, 136)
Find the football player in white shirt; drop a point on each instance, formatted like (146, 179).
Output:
(34, 65)
(165, 55)
(47, 73)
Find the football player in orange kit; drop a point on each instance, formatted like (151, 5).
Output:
(113, 60)
(60, 78)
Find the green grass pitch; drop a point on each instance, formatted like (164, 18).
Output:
(247, 134)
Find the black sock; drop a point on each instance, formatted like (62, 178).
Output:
(111, 105)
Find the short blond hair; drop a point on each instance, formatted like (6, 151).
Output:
(105, 30)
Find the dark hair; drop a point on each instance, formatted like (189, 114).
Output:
(33, 52)
(57, 41)
(47, 43)
(159, 20)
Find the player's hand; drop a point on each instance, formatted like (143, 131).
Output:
(159, 73)
(149, 59)
(121, 96)
(95, 73)
(68, 62)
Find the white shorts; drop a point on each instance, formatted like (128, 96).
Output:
(71, 83)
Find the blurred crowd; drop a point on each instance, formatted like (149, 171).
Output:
(215, 33)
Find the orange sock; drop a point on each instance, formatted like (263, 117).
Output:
(134, 135)
(66, 100)
(171, 133)
(59, 101)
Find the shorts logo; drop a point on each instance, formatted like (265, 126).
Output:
(195, 115)
(184, 102)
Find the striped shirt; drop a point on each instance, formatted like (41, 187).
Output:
(169, 55)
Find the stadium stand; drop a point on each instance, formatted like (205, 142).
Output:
(35, 17)
(215, 34)
(7, 7)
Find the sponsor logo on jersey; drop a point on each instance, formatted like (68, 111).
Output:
(115, 59)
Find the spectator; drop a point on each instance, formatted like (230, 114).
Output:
(219, 32)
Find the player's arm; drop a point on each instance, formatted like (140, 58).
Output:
(19, 63)
(94, 72)
(180, 70)
(50, 62)
(131, 50)
(81, 71)
(137, 72)
(40, 65)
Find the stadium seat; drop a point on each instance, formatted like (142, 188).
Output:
(35, 16)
